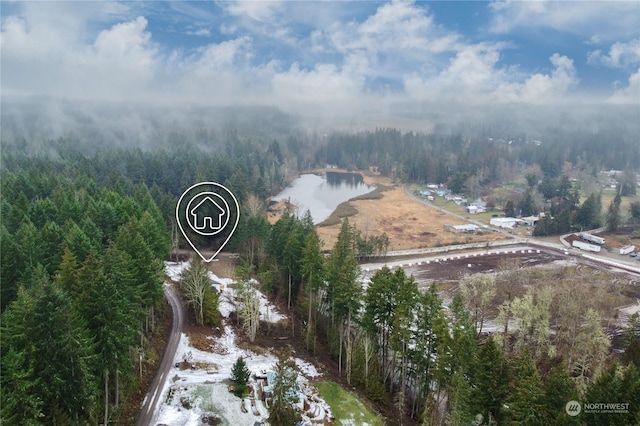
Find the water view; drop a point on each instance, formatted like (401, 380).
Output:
(321, 194)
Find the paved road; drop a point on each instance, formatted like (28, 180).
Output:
(150, 404)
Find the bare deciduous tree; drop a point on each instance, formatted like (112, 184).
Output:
(477, 292)
(194, 281)
(249, 309)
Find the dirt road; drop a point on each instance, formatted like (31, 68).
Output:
(150, 404)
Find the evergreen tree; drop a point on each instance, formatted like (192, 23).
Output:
(544, 227)
(402, 334)
(632, 341)
(490, 381)
(559, 389)
(240, 372)
(459, 401)
(380, 307)
(634, 211)
(588, 215)
(424, 351)
(527, 206)
(67, 275)
(20, 403)
(285, 393)
(211, 307)
(113, 310)
(509, 209)
(10, 268)
(618, 384)
(343, 292)
(51, 341)
(525, 404)
(77, 241)
(612, 219)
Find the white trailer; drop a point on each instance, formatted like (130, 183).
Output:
(627, 249)
(585, 246)
(592, 238)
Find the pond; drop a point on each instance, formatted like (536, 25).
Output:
(321, 194)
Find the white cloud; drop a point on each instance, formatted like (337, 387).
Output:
(620, 54)
(324, 83)
(595, 20)
(629, 94)
(473, 77)
(400, 27)
(470, 76)
(541, 88)
(258, 10)
(343, 66)
(202, 32)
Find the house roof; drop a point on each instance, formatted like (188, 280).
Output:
(466, 227)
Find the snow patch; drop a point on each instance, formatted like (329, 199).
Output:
(197, 384)
(268, 312)
(306, 368)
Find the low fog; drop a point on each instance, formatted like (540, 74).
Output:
(103, 124)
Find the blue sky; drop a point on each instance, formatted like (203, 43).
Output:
(324, 57)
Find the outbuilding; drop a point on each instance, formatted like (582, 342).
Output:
(504, 222)
(467, 229)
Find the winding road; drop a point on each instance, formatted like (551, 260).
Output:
(150, 405)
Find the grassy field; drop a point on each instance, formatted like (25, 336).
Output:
(346, 407)
(607, 198)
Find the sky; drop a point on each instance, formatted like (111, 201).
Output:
(323, 57)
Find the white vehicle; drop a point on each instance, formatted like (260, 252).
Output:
(592, 238)
(627, 249)
(585, 246)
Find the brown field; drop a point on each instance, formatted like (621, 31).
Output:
(408, 223)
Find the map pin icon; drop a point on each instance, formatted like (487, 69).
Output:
(207, 214)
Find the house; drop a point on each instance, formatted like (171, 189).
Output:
(207, 216)
(474, 209)
(503, 222)
(531, 220)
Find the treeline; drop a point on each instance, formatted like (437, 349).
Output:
(484, 157)
(431, 363)
(563, 213)
(242, 165)
(82, 274)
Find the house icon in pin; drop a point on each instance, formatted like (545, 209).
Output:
(207, 216)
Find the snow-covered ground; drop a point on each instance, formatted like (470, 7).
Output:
(268, 312)
(201, 388)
